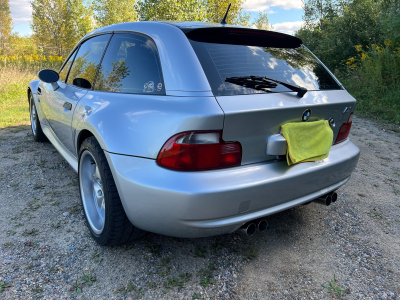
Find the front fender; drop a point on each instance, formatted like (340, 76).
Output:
(33, 85)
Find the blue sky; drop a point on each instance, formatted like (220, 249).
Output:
(284, 15)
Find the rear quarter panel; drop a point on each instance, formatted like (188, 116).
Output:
(139, 125)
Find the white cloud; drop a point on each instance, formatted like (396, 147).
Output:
(21, 11)
(287, 27)
(261, 5)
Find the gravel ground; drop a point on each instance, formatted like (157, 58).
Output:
(351, 247)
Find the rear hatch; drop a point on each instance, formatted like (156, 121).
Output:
(256, 75)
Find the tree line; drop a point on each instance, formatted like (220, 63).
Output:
(360, 41)
(332, 28)
(58, 24)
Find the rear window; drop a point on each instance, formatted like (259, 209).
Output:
(296, 66)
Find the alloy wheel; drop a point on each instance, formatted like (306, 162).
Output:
(33, 117)
(92, 193)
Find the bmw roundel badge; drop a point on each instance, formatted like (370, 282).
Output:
(306, 115)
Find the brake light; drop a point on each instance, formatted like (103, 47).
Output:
(197, 150)
(344, 130)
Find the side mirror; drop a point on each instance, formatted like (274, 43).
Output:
(49, 76)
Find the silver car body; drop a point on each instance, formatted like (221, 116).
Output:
(132, 128)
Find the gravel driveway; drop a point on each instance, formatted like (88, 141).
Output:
(352, 247)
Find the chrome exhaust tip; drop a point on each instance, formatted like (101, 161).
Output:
(324, 200)
(248, 229)
(334, 197)
(262, 225)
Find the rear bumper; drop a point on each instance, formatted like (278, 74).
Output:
(199, 204)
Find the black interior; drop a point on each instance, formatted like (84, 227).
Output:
(82, 82)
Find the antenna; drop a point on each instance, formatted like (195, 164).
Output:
(223, 22)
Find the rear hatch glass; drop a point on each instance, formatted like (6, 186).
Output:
(296, 66)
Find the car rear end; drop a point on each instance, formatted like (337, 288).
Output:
(211, 182)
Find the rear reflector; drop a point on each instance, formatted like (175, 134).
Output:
(344, 130)
(194, 151)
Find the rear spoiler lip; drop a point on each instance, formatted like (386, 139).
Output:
(242, 36)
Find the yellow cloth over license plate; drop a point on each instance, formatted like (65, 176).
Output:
(307, 141)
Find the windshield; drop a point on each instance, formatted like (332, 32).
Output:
(295, 66)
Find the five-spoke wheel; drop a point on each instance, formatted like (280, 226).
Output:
(37, 132)
(101, 203)
(92, 192)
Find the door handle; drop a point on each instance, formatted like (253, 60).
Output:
(39, 91)
(67, 105)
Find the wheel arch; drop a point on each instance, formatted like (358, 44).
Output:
(29, 92)
(85, 131)
(83, 135)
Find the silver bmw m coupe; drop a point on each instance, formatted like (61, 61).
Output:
(175, 128)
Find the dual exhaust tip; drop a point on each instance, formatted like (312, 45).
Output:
(327, 199)
(251, 227)
(261, 225)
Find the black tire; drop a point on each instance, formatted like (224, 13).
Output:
(36, 127)
(117, 227)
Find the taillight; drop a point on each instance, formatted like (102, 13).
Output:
(197, 150)
(344, 130)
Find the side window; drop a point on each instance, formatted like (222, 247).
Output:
(65, 69)
(131, 65)
(87, 60)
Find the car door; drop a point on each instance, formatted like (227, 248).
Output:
(45, 90)
(60, 103)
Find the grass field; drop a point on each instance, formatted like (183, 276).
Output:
(374, 102)
(14, 109)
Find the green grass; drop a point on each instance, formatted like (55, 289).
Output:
(376, 215)
(177, 281)
(380, 106)
(334, 288)
(85, 279)
(4, 285)
(196, 296)
(200, 251)
(14, 109)
(249, 253)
